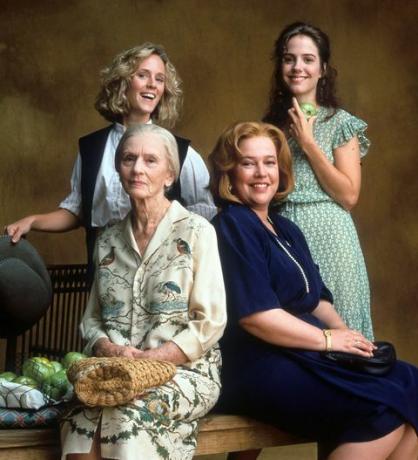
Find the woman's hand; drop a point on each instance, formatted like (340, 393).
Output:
(350, 341)
(300, 128)
(19, 228)
(60, 220)
(104, 348)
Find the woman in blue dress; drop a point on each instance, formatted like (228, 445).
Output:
(327, 144)
(281, 318)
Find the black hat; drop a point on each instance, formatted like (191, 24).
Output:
(25, 286)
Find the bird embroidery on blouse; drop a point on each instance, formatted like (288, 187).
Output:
(169, 288)
(183, 247)
(108, 258)
(110, 305)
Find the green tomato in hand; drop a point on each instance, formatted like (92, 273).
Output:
(308, 109)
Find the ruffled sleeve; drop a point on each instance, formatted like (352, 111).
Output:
(348, 127)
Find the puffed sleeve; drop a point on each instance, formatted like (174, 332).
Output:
(72, 202)
(207, 304)
(244, 260)
(348, 127)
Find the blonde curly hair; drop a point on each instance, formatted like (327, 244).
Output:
(112, 102)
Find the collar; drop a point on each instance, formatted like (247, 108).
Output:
(174, 214)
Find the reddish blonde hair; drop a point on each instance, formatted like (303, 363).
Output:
(226, 155)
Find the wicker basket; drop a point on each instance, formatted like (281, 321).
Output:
(116, 381)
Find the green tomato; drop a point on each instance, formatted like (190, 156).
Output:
(59, 380)
(71, 357)
(51, 391)
(57, 366)
(9, 376)
(308, 109)
(38, 369)
(23, 380)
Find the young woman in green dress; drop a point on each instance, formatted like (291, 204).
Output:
(327, 144)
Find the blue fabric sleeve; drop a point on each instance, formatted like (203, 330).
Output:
(245, 269)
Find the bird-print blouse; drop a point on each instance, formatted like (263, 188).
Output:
(172, 292)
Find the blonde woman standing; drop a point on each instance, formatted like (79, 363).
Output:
(140, 85)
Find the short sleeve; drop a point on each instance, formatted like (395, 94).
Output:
(244, 260)
(348, 127)
(72, 202)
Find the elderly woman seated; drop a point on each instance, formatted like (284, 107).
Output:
(158, 294)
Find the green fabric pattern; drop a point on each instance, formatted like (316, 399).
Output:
(328, 228)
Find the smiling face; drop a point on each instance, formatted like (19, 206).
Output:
(255, 179)
(302, 68)
(146, 89)
(144, 168)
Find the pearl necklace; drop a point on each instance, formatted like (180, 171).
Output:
(292, 258)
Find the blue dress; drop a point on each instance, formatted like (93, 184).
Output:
(297, 390)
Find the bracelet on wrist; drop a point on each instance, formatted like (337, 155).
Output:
(328, 339)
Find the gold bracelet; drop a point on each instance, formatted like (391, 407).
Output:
(328, 339)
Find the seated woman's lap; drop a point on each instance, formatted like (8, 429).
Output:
(281, 391)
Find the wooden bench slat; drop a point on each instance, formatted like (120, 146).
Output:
(217, 434)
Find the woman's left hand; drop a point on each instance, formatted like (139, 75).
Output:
(300, 128)
(351, 341)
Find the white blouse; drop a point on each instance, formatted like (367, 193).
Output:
(111, 203)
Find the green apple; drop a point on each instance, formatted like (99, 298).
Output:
(9, 376)
(308, 109)
(71, 357)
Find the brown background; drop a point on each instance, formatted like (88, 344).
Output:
(51, 53)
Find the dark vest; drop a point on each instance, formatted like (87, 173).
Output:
(92, 149)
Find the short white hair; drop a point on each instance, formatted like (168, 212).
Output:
(168, 140)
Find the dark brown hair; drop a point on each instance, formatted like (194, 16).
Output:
(280, 96)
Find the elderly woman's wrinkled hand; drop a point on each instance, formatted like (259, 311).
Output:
(350, 341)
(105, 348)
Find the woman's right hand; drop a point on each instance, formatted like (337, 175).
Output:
(60, 220)
(104, 348)
(19, 228)
(350, 341)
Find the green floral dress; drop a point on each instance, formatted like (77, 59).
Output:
(329, 229)
(173, 292)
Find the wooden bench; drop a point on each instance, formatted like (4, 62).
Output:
(57, 332)
(217, 434)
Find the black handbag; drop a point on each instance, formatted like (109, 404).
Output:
(382, 361)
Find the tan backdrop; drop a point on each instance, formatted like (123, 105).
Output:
(51, 53)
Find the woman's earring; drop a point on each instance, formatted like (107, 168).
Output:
(230, 189)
